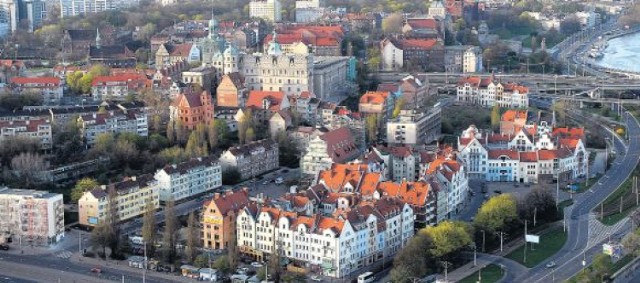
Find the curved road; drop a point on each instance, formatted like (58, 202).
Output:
(570, 257)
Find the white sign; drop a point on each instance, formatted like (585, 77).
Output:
(532, 239)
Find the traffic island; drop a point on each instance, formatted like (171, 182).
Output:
(550, 243)
(488, 274)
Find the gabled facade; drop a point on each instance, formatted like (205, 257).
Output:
(192, 109)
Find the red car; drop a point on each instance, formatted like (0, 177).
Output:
(96, 270)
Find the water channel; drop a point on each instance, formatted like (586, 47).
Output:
(622, 53)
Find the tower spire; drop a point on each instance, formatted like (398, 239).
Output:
(98, 39)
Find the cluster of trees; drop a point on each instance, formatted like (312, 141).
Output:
(80, 83)
(632, 16)
(432, 246)
(425, 253)
(11, 101)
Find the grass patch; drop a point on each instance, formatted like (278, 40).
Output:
(621, 263)
(582, 186)
(550, 243)
(491, 273)
(609, 211)
(562, 205)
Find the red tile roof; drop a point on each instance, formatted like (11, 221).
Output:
(257, 96)
(230, 201)
(511, 115)
(30, 125)
(341, 145)
(529, 156)
(49, 81)
(130, 78)
(374, 97)
(496, 153)
(422, 23)
(419, 43)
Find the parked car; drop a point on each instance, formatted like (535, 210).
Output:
(551, 264)
(316, 278)
(256, 264)
(4, 247)
(96, 270)
(279, 180)
(266, 182)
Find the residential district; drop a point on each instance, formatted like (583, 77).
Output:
(318, 140)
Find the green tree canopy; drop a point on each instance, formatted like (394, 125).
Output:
(497, 213)
(83, 185)
(448, 237)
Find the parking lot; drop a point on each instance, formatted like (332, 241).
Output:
(267, 185)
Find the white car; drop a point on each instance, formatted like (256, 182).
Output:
(256, 264)
(316, 278)
(279, 180)
(551, 264)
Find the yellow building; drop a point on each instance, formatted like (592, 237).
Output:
(131, 196)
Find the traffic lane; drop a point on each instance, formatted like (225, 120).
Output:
(40, 273)
(57, 266)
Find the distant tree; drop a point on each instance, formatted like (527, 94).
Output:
(631, 242)
(11, 147)
(231, 176)
(570, 25)
(372, 128)
(250, 135)
(212, 135)
(398, 106)
(112, 220)
(601, 264)
(560, 110)
(169, 237)
(182, 134)
(27, 166)
(497, 213)
(171, 133)
(495, 117)
(288, 151)
(392, 24)
(101, 237)
(149, 228)
(83, 185)
(222, 131)
(539, 201)
(193, 238)
(173, 155)
(414, 260)
(222, 264)
(196, 146)
(448, 237)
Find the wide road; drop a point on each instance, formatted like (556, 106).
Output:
(570, 257)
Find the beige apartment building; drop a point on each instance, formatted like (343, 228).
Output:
(131, 197)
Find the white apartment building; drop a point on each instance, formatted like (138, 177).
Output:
(195, 176)
(39, 129)
(488, 92)
(252, 159)
(31, 217)
(131, 197)
(70, 8)
(336, 245)
(412, 127)
(50, 88)
(113, 122)
(266, 9)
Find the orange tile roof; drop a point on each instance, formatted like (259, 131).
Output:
(418, 43)
(571, 143)
(529, 156)
(511, 115)
(374, 97)
(496, 153)
(227, 202)
(334, 224)
(422, 23)
(121, 78)
(568, 132)
(54, 81)
(257, 96)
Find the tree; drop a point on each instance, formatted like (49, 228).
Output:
(495, 117)
(288, 151)
(222, 131)
(171, 133)
(246, 122)
(101, 237)
(398, 106)
(149, 228)
(181, 132)
(250, 135)
(539, 201)
(169, 253)
(448, 237)
(631, 242)
(601, 264)
(372, 128)
(497, 213)
(193, 238)
(196, 146)
(231, 176)
(393, 23)
(83, 185)
(212, 135)
(10, 147)
(27, 166)
(222, 264)
(560, 111)
(570, 25)
(112, 220)
(414, 260)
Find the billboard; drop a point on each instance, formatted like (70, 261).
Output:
(93, 220)
(532, 239)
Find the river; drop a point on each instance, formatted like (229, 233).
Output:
(622, 53)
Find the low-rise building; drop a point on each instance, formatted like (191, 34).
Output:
(118, 87)
(463, 58)
(192, 177)
(413, 127)
(252, 159)
(412, 54)
(112, 122)
(130, 198)
(377, 103)
(50, 88)
(219, 218)
(489, 91)
(37, 129)
(31, 217)
(202, 76)
(336, 146)
(270, 10)
(192, 109)
(231, 91)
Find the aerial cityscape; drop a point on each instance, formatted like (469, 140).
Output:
(356, 141)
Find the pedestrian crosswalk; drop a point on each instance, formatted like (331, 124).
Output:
(599, 232)
(64, 254)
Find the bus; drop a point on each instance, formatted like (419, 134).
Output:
(366, 277)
